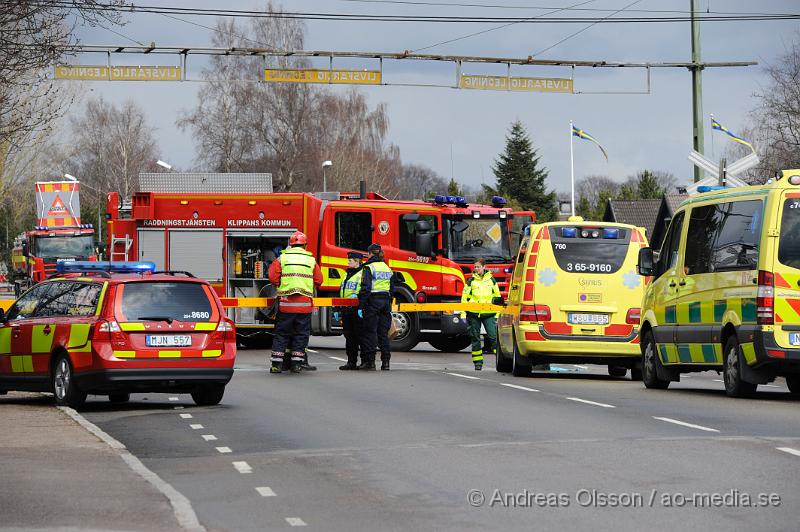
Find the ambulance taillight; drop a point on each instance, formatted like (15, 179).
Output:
(765, 298)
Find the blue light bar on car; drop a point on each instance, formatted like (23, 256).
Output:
(569, 232)
(709, 188)
(610, 233)
(440, 199)
(77, 266)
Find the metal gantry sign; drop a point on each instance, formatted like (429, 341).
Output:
(365, 76)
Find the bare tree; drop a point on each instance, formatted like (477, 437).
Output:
(109, 146)
(286, 128)
(418, 182)
(592, 186)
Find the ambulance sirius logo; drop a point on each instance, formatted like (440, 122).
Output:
(58, 208)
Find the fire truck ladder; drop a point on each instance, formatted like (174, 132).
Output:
(126, 242)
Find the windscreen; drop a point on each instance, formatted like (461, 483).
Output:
(589, 249)
(165, 301)
(482, 237)
(67, 247)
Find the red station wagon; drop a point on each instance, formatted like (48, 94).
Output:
(114, 329)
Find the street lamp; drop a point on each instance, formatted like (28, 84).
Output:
(99, 225)
(325, 166)
(162, 164)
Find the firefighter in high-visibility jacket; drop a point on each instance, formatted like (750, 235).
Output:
(296, 274)
(481, 287)
(375, 308)
(351, 322)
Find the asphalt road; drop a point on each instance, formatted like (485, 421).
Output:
(434, 445)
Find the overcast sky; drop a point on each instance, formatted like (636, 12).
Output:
(461, 132)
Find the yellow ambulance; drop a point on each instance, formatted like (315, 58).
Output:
(574, 297)
(725, 294)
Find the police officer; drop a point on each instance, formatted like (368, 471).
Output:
(375, 307)
(296, 274)
(351, 322)
(481, 287)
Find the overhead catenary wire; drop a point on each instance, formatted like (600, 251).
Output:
(450, 19)
(475, 34)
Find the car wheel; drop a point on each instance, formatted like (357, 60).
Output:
(521, 366)
(209, 394)
(735, 386)
(650, 364)
(119, 397)
(617, 371)
(502, 363)
(793, 382)
(64, 388)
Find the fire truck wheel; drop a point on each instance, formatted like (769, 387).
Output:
(209, 394)
(450, 344)
(119, 397)
(63, 384)
(407, 331)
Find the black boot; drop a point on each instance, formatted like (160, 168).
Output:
(306, 366)
(384, 364)
(348, 367)
(367, 365)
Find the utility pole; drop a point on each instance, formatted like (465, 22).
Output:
(697, 90)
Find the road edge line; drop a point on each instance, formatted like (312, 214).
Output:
(181, 506)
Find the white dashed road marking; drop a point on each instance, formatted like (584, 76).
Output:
(789, 450)
(339, 359)
(209, 437)
(196, 426)
(715, 380)
(590, 402)
(295, 521)
(186, 416)
(173, 399)
(243, 467)
(463, 376)
(684, 424)
(224, 450)
(265, 491)
(518, 387)
(177, 408)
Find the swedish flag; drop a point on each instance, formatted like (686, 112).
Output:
(581, 134)
(719, 127)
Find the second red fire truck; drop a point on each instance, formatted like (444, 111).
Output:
(220, 228)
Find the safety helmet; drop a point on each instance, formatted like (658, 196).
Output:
(298, 238)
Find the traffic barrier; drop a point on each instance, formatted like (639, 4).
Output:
(259, 302)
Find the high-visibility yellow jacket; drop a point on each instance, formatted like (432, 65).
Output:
(480, 289)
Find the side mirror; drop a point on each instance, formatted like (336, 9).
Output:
(411, 217)
(460, 227)
(646, 264)
(101, 247)
(25, 248)
(422, 226)
(424, 244)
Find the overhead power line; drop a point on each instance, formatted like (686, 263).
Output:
(451, 19)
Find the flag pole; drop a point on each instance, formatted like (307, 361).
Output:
(571, 169)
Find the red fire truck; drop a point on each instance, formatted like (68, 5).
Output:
(229, 238)
(58, 235)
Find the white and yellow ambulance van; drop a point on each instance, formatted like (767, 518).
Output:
(725, 294)
(574, 297)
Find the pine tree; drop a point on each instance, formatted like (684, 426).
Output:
(520, 177)
(453, 188)
(648, 187)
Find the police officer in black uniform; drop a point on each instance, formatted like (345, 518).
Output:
(375, 305)
(351, 322)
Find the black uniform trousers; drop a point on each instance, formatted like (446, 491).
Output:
(375, 326)
(351, 326)
(292, 330)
